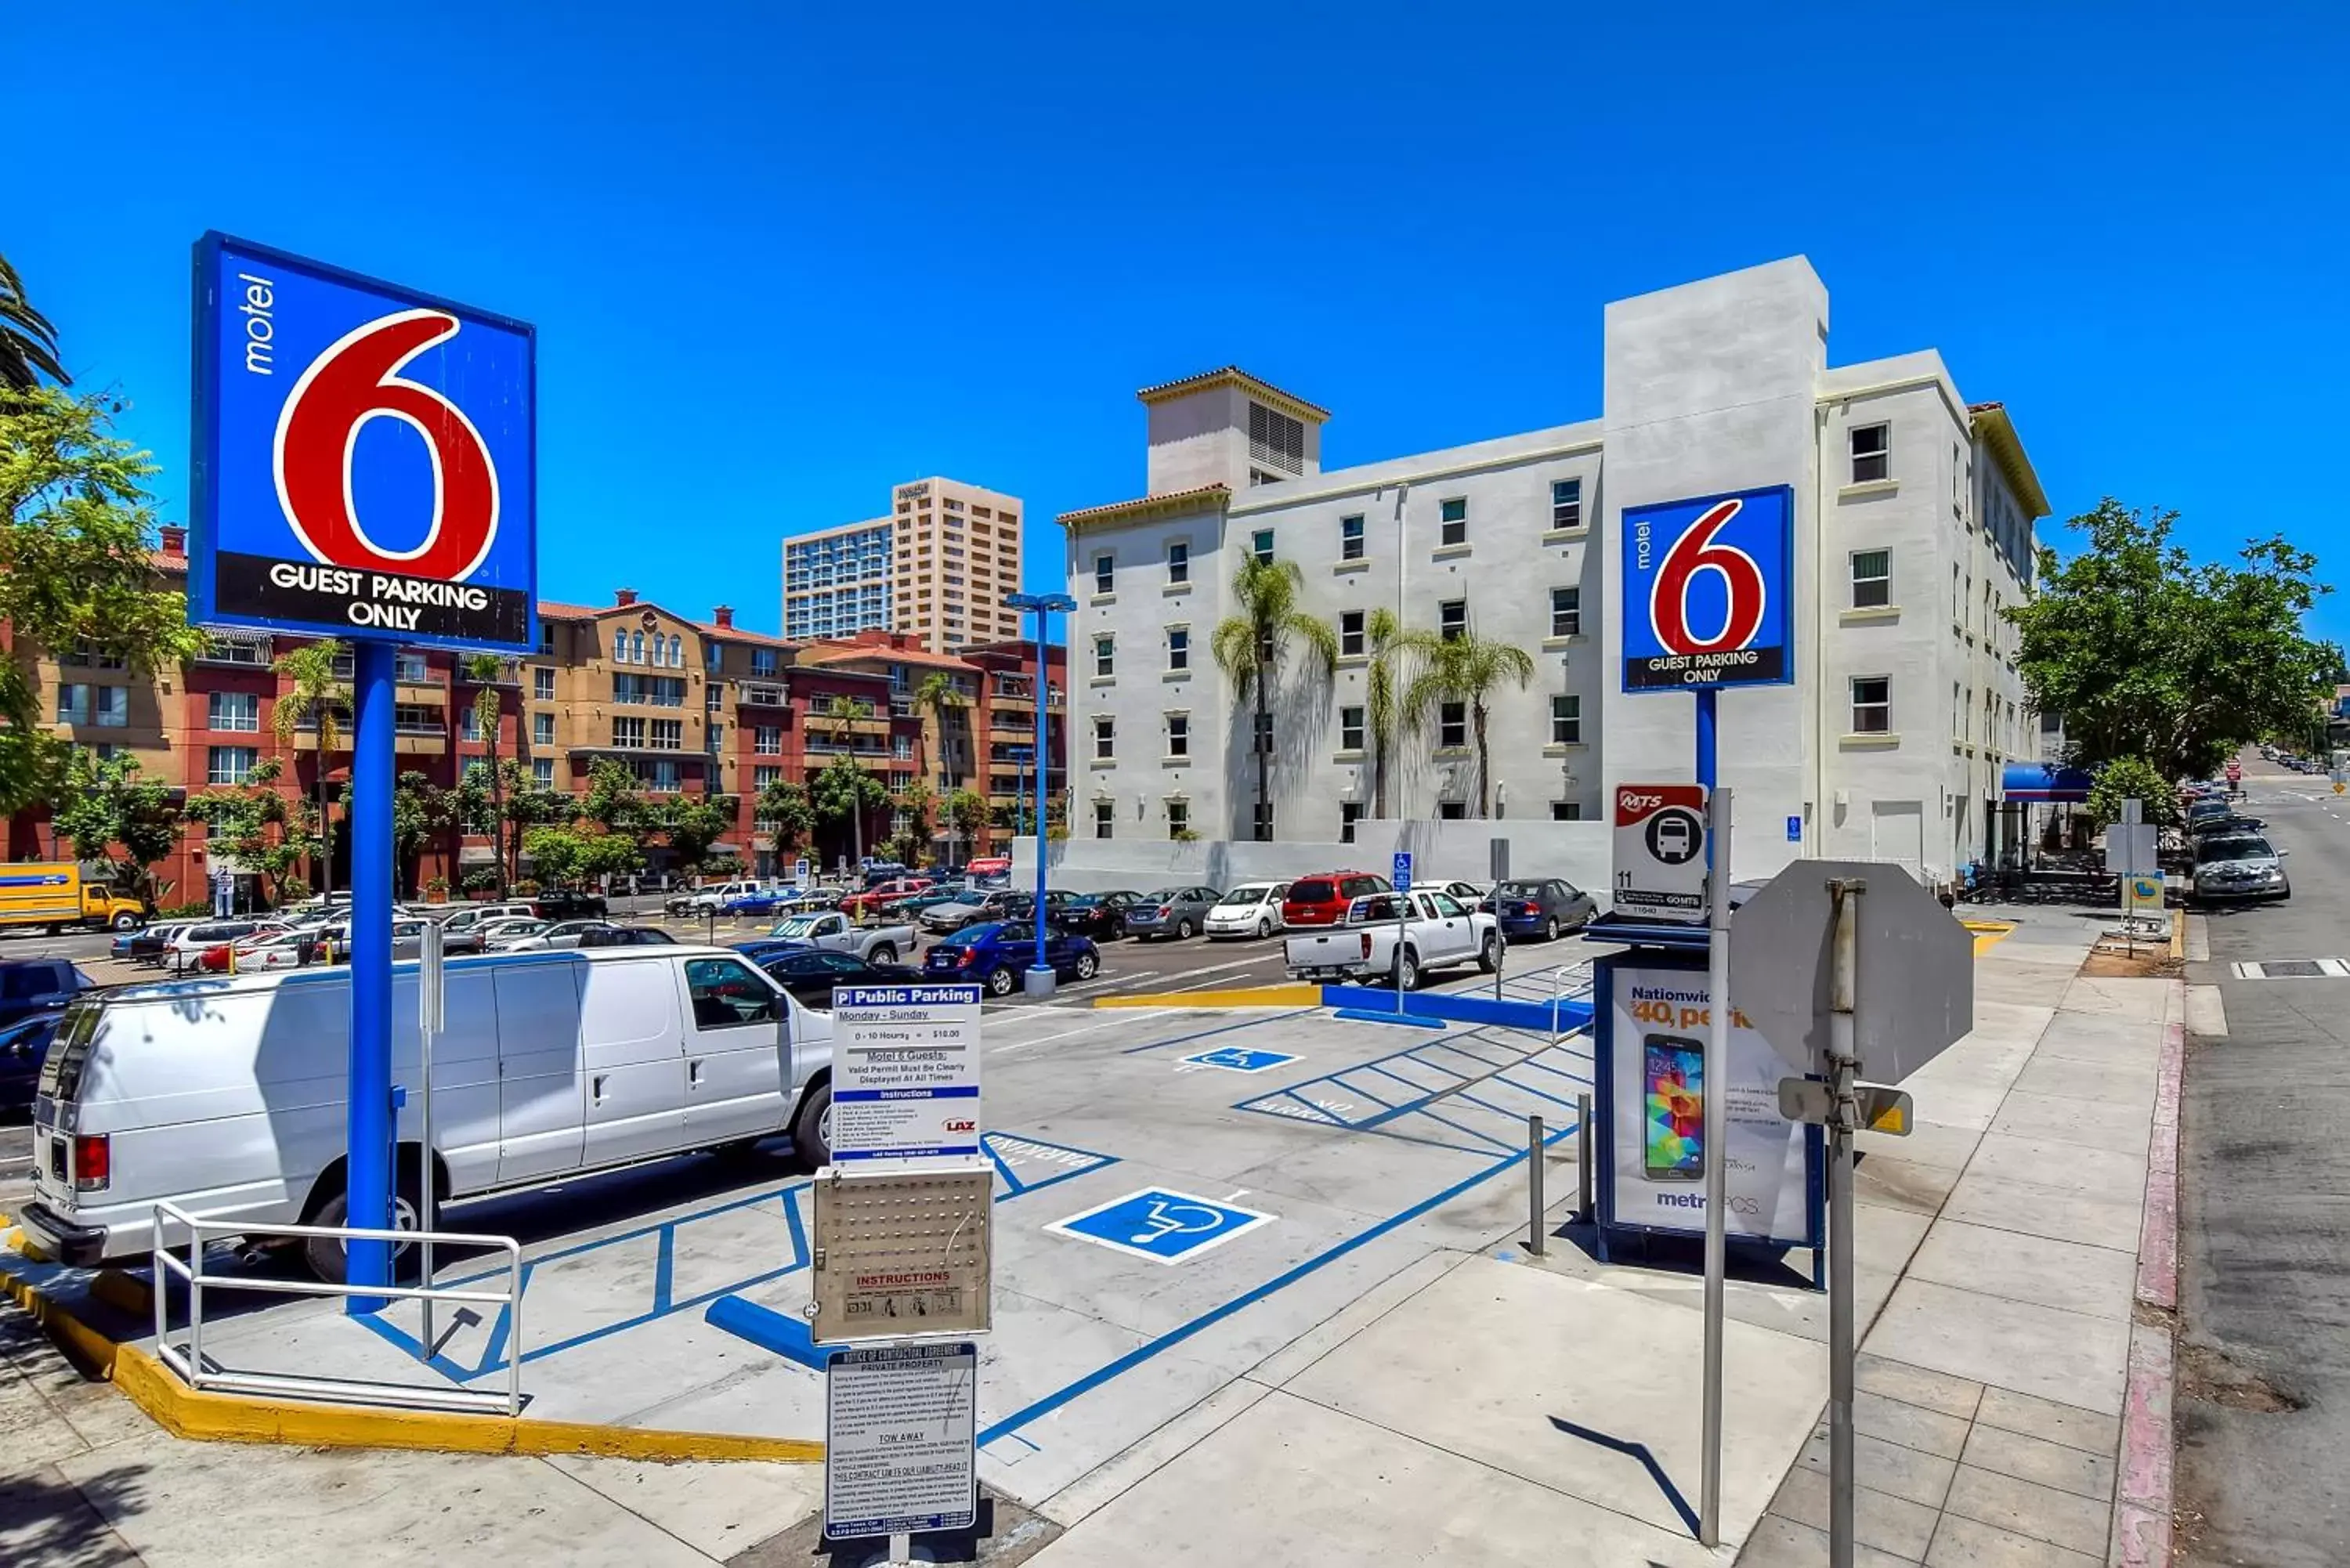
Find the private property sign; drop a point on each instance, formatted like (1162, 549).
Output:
(1708, 586)
(364, 457)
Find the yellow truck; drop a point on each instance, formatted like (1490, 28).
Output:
(55, 894)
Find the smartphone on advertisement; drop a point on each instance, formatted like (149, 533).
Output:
(1672, 1069)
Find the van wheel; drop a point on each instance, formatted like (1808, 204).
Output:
(126, 922)
(1406, 971)
(324, 1254)
(999, 982)
(1489, 957)
(812, 1128)
(884, 952)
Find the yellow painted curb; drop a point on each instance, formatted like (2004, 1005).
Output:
(1988, 934)
(2178, 935)
(125, 1292)
(206, 1417)
(1261, 996)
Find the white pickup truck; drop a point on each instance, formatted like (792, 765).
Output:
(1439, 932)
(831, 929)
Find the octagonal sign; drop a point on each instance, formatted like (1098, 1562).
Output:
(1915, 994)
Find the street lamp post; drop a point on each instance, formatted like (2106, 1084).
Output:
(1038, 981)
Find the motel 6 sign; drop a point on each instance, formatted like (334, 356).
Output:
(1709, 592)
(365, 457)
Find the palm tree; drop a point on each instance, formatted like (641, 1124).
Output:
(28, 344)
(941, 698)
(1249, 646)
(489, 718)
(1384, 633)
(1463, 668)
(841, 714)
(319, 696)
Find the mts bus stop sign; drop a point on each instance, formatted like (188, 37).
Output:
(1915, 963)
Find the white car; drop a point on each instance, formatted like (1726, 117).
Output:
(276, 950)
(1251, 910)
(562, 934)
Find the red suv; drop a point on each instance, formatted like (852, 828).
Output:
(1322, 900)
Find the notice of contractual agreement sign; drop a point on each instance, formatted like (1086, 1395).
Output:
(905, 1073)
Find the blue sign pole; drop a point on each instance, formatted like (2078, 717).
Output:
(1038, 981)
(368, 1170)
(1705, 743)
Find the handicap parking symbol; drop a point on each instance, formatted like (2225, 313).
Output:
(1239, 1059)
(1161, 1224)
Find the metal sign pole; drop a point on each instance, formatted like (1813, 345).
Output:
(370, 1177)
(1717, 1179)
(1843, 989)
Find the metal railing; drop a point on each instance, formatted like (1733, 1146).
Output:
(189, 1361)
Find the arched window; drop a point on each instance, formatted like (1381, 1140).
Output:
(620, 648)
(677, 653)
(637, 648)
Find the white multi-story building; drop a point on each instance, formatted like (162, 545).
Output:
(1913, 530)
(937, 567)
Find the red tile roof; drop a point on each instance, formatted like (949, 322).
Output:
(1142, 502)
(1236, 376)
(549, 609)
(823, 653)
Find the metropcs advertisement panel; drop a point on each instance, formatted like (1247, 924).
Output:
(1708, 591)
(365, 457)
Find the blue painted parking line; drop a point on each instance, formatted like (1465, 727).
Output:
(1240, 1059)
(1161, 1224)
(1219, 1028)
(1026, 1164)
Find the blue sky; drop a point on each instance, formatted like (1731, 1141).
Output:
(781, 257)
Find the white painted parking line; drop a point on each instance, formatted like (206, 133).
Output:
(1124, 1018)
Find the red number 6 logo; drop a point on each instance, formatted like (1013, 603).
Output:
(1741, 580)
(354, 380)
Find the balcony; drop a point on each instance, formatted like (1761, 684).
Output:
(248, 649)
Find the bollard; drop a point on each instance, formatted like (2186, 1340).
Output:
(1534, 1226)
(1583, 1142)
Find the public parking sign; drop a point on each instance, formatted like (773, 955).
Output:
(365, 460)
(1708, 590)
(1660, 851)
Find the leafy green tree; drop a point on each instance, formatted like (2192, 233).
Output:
(613, 801)
(76, 526)
(609, 855)
(1250, 646)
(966, 814)
(842, 789)
(943, 700)
(694, 823)
(556, 853)
(238, 820)
(319, 696)
(489, 720)
(2131, 778)
(1465, 668)
(28, 344)
(2147, 654)
(105, 803)
(918, 805)
(782, 809)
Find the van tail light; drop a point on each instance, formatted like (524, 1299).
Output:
(93, 1162)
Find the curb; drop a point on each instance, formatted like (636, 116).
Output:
(2141, 1534)
(1260, 996)
(203, 1416)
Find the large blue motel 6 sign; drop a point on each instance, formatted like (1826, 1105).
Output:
(365, 457)
(1709, 587)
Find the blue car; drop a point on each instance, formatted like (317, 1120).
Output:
(995, 954)
(774, 901)
(23, 1045)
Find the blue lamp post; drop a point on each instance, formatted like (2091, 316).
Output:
(1038, 981)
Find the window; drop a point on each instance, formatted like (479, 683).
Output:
(1566, 503)
(1105, 572)
(1265, 732)
(668, 734)
(469, 726)
(902, 747)
(1105, 817)
(1276, 440)
(1350, 728)
(1453, 619)
(233, 710)
(109, 706)
(1452, 521)
(763, 662)
(713, 656)
(1567, 612)
(1871, 452)
(726, 995)
(1261, 546)
(1179, 818)
(1958, 713)
(636, 648)
(1104, 656)
(1350, 633)
(1452, 810)
(620, 648)
(767, 740)
(1260, 821)
(659, 776)
(1872, 579)
(1349, 814)
(73, 704)
(409, 667)
(546, 637)
(542, 729)
(1179, 561)
(1451, 726)
(629, 732)
(1566, 811)
(1178, 734)
(1566, 719)
(1872, 704)
(1105, 739)
(766, 778)
(542, 685)
(1350, 538)
(542, 771)
(1179, 648)
(231, 764)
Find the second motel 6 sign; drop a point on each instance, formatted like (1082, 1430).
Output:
(1708, 591)
(364, 457)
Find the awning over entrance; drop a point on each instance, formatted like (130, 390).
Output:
(2044, 782)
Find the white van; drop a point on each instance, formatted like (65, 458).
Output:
(227, 1096)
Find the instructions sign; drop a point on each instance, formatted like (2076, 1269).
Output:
(1654, 1175)
(900, 1451)
(1707, 593)
(1660, 851)
(901, 1253)
(904, 1066)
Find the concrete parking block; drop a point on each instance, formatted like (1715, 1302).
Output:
(1293, 1482)
(2066, 1355)
(1962, 1542)
(2034, 1209)
(2026, 1508)
(2095, 1431)
(1888, 1523)
(2074, 1471)
(2093, 1280)
(2066, 1119)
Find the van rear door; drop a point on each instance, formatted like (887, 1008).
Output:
(541, 1086)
